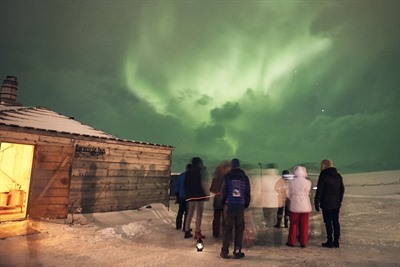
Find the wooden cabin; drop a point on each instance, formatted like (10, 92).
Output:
(52, 165)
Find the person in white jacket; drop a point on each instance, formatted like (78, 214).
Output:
(299, 192)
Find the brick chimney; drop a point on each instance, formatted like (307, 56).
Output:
(9, 91)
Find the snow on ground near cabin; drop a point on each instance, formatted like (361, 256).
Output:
(370, 220)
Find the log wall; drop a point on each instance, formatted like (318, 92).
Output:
(126, 176)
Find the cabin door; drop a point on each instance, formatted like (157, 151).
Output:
(50, 183)
(15, 173)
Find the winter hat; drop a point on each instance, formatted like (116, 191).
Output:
(235, 163)
(300, 171)
(197, 162)
(285, 172)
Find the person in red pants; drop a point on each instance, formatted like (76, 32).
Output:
(299, 193)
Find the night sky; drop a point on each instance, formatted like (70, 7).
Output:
(283, 82)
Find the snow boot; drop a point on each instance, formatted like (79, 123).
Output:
(336, 242)
(328, 243)
(279, 220)
(224, 254)
(286, 221)
(198, 235)
(188, 234)
(238, 254)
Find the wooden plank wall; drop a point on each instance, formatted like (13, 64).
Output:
(118, 176)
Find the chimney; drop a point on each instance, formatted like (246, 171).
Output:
(9, 91)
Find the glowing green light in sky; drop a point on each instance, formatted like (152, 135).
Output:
(281, 82)
(218, 79)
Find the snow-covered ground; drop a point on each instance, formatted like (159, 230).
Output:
(370, 219)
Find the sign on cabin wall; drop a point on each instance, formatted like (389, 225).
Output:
(87, 151)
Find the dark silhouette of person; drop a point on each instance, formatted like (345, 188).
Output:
(181, 199)
(329, 196)
(196, 193)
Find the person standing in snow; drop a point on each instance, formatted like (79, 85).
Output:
(329, 196)
(195, 189)
(299, 192)
(215, 188)
(269, 196)
(235, 196)
(181, 199)
(283, 201)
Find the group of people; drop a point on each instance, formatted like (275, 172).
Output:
(230, 189)
(328, 197)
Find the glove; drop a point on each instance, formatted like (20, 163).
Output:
(317, 207)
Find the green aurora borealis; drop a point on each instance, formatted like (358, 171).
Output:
(286, 82)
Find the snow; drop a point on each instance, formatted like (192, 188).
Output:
(45, 119)
(147, 236)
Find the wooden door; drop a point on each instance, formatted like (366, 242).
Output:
(50, 182)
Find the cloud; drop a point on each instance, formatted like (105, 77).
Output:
(229, 111)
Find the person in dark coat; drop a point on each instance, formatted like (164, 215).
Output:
(235, 196)
(329, 196)
(181, 199)
(196, 193)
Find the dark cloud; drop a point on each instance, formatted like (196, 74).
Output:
(203, 100)
(228, 111)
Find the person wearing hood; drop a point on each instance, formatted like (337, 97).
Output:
(299, 192)
(329, 196)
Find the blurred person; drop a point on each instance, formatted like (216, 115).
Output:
(215, 188)
(196, 193)
(235, 196)
(269, 197)
(299, 192)
(329, 196)
(283, 201)
(181, 199)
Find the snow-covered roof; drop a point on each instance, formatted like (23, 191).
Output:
(41, 118)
